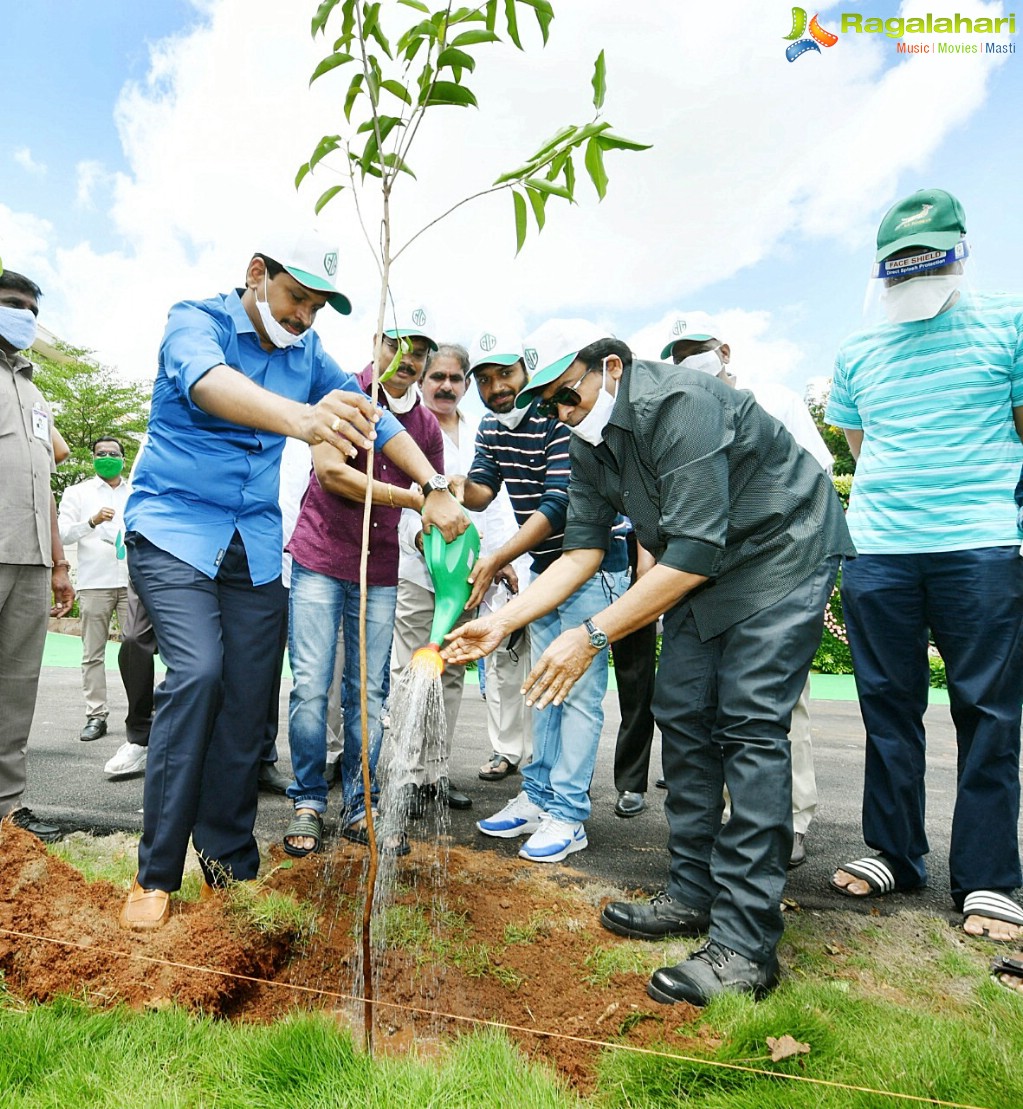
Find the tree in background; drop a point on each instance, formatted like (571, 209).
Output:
(395, 79)
(89, 400)
(833, 436)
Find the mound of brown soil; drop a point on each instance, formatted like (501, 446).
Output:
(482, 939)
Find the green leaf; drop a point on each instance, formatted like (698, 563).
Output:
(326, 198)
(348, 20)
(332, 61)
(491, 15)
(514, 175)
(322, 15)
(570, 177)
(473, 38)
(396, 88)
(447, 92)
(560, 137)
(617, 142)
(538, 200)
(544, 15)
(420, 7)
(456, 59)
(595, 166)
(392, 161)
(372, 29)
(392, 369)
(354, 89)
(513, 33)
(415, 35)
(303, 170)
(548, 187)
(599, 81)
(325, 146)
(520, 220)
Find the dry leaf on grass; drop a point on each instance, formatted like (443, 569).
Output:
(784, 1047)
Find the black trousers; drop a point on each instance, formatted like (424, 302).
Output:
(138, 672)
(218, 638)
(635, 659)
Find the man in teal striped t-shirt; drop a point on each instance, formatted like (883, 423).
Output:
(932, 406)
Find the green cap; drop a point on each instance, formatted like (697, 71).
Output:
(930, 217)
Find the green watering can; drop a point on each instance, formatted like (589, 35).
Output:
(449, 565)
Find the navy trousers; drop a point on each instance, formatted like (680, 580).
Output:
(724, 708)
(218, 639)
(972, 604)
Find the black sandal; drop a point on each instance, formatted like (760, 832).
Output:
(498, 768)
(307, 825)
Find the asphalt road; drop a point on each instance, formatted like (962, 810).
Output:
(67, 785)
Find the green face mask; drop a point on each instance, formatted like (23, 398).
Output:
(108, 467)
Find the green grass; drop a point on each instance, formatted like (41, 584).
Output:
(64, 1055)
(972, 1059)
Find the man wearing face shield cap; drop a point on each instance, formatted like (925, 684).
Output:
(932, 406)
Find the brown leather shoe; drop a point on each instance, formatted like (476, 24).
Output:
(145, 909)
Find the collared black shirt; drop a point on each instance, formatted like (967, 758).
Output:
(713, 485)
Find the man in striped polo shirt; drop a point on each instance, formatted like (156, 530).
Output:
(931, 403)
(526, 451)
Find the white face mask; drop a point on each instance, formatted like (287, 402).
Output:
(591, 427)
(405, 403)
(279, 335)
(18, 327)
(512, 418)
(920, 298)
(706, 362)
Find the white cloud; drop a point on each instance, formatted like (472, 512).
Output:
(749, 152)
(23, 156)
(89, 176)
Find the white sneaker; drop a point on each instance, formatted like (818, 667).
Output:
(129, 758)
(554, 840)
(520, 817)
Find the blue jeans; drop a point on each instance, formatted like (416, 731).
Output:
(320, 606)
(565, 736)
(972, 603)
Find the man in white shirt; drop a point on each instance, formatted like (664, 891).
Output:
(443, 386)
(707, 353)
(92, 515)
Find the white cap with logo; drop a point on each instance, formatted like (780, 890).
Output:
(495, 347)
(312, 260)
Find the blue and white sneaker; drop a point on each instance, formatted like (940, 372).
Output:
(554, 840)
(520, 817)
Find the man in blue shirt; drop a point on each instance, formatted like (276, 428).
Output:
(237, 373)
(931, 402)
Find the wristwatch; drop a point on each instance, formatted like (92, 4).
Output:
(598, 639)
(437, 484)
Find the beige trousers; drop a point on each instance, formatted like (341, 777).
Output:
(96, 607)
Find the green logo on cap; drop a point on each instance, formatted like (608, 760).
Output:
(419, 317)
(487, 342)
(330, 263)
(679, 327)
(531, 358)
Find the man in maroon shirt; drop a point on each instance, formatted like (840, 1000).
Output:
(324, 599)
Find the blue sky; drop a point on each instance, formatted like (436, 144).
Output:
(152, 141)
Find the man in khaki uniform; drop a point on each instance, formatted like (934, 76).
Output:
(31, 556)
